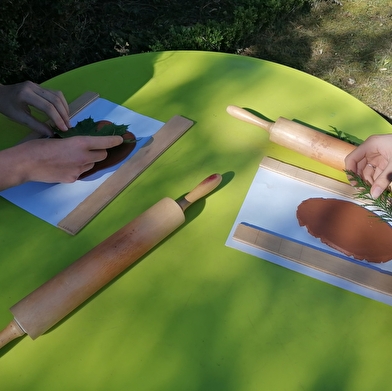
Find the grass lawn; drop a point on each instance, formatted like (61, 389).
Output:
(347, 45)
(344, 42)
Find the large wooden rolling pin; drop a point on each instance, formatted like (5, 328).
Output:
(55, 299)
(300, 138)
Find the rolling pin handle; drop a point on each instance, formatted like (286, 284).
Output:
(244, 115)
(201, 190)
(11, 332)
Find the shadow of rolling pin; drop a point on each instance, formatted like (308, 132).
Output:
(52, 301)
(300, 138)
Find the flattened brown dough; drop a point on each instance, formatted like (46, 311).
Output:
(347, 227)
(115, 155)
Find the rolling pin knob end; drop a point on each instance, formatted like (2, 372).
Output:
(246, 116)
(11, 332)
(201, 190)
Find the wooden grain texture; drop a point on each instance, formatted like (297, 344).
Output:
(11, 332)
(309, 142)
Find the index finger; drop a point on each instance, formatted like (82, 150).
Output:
(353, 159)
(54, 104)
(102, 142)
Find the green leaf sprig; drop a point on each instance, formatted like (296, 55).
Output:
(382, 205)
(349, 138)
(88, 127)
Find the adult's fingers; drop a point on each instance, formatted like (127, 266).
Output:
(368, 173)
(52, 103)
(90, 149)
(355, 160)
(102, 142)
(382, 181)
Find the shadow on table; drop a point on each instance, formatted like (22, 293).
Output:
(191, 213)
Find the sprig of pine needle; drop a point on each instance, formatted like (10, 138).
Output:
(382, 205)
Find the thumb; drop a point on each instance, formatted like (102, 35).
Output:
(381, 183)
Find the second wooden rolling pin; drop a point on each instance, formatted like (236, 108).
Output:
(300, 138)
(55, 299)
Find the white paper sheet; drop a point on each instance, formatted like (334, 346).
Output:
(53, 202)
(271, 204)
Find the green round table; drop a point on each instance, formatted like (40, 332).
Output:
(194, 314)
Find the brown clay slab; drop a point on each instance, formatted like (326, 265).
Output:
(347, 227)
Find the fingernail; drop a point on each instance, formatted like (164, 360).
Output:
(376, 192)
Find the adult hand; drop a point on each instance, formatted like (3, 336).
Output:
(16, 100)
(372, 160)
(53, 160)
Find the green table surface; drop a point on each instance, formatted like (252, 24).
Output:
(194, 314)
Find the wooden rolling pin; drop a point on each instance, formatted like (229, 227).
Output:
(300, 138)
(55, 299)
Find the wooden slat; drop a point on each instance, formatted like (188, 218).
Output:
(321, 181)
(314, 258)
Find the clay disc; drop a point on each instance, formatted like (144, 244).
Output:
(115, 155)
(347, 227)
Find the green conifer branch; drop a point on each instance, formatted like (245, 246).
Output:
(382, 205)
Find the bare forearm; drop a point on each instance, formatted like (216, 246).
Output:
(53, 160)
(13, 168)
